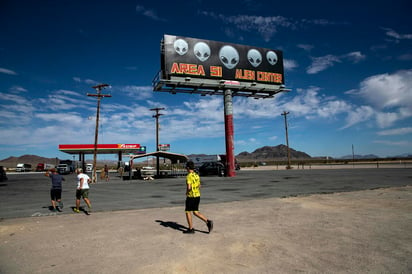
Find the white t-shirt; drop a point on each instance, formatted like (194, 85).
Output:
(86, 179)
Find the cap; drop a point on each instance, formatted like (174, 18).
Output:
(190, 165)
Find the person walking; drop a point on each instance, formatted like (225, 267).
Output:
(56, 189)
(193, 199)
(82, 190)
(106, 173)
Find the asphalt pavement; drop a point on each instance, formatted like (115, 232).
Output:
(27, 194)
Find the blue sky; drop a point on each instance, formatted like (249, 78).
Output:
(348, 64)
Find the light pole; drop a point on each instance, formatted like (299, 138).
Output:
(99, 95)
(157, 115)
(287, 138)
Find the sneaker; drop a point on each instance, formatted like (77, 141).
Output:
(76, 210)
(61, 205)
(189, 231)
(59, 209)
(209, 225)
(54, 210)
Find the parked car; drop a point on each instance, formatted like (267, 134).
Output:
(64, 169)
(44, 167)
(147, 172)
(212, 168)
(89, 167)
(3, 176)
(23, 167)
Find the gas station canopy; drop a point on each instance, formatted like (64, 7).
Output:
(174, 157)
(102, 148)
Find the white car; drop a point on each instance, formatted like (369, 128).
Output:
(148, 172)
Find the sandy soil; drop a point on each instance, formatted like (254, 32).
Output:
(357, 232)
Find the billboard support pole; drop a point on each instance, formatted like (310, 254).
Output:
(228, 108)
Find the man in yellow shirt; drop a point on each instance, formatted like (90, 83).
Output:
(193, 199)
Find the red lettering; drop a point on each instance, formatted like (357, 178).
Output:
(190, 69)
(245, 74)
(269, 77)
(216, 71)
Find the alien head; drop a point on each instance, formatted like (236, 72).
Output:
(254, 57)
(229, 56)
(202, 51)
(181, 46)
(272, 57)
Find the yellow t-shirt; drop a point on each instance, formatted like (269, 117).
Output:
(193, 180)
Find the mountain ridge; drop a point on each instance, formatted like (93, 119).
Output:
(264, 153)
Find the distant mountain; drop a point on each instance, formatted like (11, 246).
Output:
(404, 155)
(270, 152)
(368, 156)
(12, 162)
(27, 159)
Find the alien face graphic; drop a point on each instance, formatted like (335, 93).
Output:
(272, 57)
(254, 57)
(202, 51)
(229, 56)
(181, 46)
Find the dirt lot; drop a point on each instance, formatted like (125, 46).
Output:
(354, 232)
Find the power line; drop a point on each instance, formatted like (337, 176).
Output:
(287, 137)
(99, 96)
(157, 115)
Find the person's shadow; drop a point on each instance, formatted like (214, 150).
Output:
(175, 226)
(172, 225)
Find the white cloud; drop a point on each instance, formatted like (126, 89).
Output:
(355, 56)
(305, 47)
(386, 119)
(393, 143)
(388, 90)
(393, 34)
(289, 64)
(273, 138)
(358, 115)
(148, 13)
(388, 95)
(395, 131)
(63, 100)
(209, 109)
(405, 57)
(138, 92)
(85, 81)
(265, 26)
(248, 142)
(324, 62)
(17, 89)
(7, 71)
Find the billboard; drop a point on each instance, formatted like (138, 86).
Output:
(198, 58)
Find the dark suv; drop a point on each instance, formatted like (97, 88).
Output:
(3, 176)
(212, 168)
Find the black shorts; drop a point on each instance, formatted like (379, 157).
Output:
(55, 194)
(192, 204)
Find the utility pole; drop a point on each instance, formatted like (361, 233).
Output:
(99, 96)
(287, 138)
(157, 115)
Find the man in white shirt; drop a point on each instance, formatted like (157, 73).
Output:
(82, 190)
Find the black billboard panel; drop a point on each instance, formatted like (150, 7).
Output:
(191, 57)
